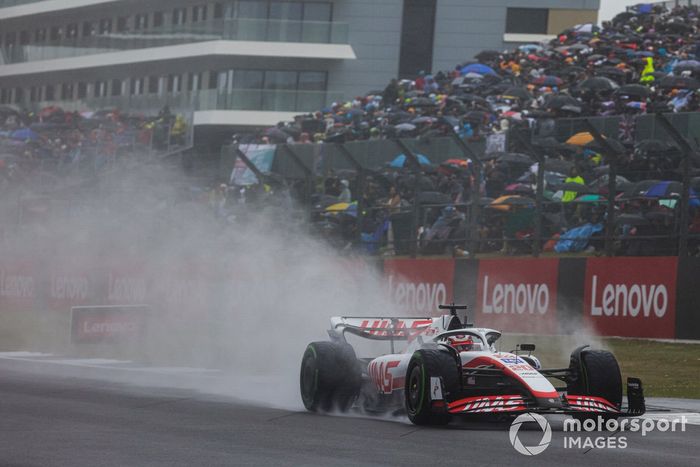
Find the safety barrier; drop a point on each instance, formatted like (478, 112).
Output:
(652, 297)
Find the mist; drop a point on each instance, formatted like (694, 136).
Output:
(244, 294)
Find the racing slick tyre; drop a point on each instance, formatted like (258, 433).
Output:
(330, 376)
(597, 374)
(424, 364)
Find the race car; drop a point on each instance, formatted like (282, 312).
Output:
(450, 368)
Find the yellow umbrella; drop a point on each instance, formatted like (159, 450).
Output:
(506, 203)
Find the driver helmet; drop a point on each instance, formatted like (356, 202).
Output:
(461, 343)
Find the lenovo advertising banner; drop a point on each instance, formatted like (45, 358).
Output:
(108, 324)
(518, 295)
(418, 286)
(631, 297)
(19, 283)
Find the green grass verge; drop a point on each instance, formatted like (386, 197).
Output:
(667, 369)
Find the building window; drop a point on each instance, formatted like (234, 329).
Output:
(318, 11)
(72, 31)
(105, 26)
(49, 96)
(158, 19)
(251, 9)
(141, 21)
(10, 39)
(417, 34)
(24, 37)
(527, 20)
(67, 91)
(174, 83)
(122, 24)
(35, 93)
(88, 29)
(82, 90)
(199, 13)
(40, 35)
(55, 33)
(212, 80)
(19, 95)
(195, 82)
(100, 89)
(179, 16)
(116, 87)
(152, 84)
(287, 26)
(218, 10)
(137, 86)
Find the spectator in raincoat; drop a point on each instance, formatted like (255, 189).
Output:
(648, 72)
(573, 177)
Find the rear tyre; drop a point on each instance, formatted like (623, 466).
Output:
(597, 374)
(330, 377)
(424, 364)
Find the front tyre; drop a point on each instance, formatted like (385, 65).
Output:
(424, 364)
(330, 377)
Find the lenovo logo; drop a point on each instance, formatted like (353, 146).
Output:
(625, 300)
(515, 298)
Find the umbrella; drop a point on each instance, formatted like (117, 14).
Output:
(640, 188)
(653, 146)
(591, 198)
(530, 48)
(633, 90)
(405, 127)
(564, 102)
(348, 208)
(424, 119)
(506, 203)
(580, 139)
(687, 65)
(621, 183)
(421, 102)
(24, 134)
(679, 82)
(478, 68)
(599, 83)
(666, 189)
(515, 158)
(520, 93)
(400, 160)
(520, 188)
(457, 163)
(548, 80)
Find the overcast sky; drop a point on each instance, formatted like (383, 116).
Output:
(609, 8)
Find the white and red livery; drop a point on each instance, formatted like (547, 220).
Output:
(449, 368)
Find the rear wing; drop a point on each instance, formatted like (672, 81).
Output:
(385, 327)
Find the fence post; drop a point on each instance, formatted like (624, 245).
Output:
(360, 186)
(475, 207)
(688, 153)
(611, 156)
(307, 174)
(416, 207)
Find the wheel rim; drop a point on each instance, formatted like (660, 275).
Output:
(415, 389)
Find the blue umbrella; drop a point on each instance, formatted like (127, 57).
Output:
(400, 160)
(478, 68)
(24, 134)
(530, 48)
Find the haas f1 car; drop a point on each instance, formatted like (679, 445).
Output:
(450, 368)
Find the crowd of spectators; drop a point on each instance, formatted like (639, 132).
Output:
(646, 60)
(57, 142)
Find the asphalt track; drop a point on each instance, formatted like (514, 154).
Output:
(52, 420)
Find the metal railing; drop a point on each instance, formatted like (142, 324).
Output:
(235, 29)
(211, 99)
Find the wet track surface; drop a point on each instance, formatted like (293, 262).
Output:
(49, 420)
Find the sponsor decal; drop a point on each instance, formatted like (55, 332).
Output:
(108, 324)
(418, 286)
(518, 295)
(18, 285)
(633, 297)
(380, 373)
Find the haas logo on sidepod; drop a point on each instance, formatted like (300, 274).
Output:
(381, 375)
(623, 300)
